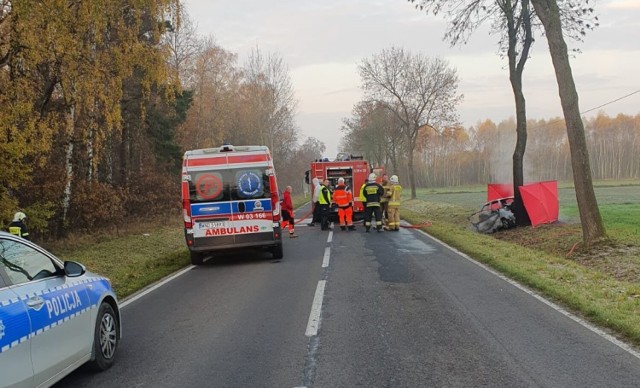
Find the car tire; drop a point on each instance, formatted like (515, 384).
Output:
(277, 251)
(105, 338)
(197, 258)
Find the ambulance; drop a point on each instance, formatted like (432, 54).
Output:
(230, 200)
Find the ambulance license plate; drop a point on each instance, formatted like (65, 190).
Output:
(212, 225)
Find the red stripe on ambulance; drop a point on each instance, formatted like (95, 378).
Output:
(226, 159)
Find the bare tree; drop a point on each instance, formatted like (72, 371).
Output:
(421, 92)
(272, 101)
(215, 81)
(373, 132)
(184, 45)
(592, 226)
(298, 161)
(515, 22)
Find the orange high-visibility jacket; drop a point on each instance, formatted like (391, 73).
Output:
(342, 197)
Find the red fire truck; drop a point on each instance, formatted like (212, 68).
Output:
(355, 171)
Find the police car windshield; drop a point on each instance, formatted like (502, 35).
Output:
(229, 185)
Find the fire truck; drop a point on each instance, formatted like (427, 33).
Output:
(355, 171)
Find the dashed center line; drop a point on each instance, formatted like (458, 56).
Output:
(325, 259)
(313, 325)
(314, 318)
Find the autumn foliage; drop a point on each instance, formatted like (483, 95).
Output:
(99, 100)
(483, 153)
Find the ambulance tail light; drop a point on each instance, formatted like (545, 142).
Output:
(187, 217)
(186, 206)
(275, 198)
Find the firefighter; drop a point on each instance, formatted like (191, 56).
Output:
(394, 204)
(287, 213)
(372, 192)
(384, 201)
(316, 206)
(18, 226)
(344, 200)
(324, 201)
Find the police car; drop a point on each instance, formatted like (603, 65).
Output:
(54, 316)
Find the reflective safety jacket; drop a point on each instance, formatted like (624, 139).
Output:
(387, 192)
(18, 228)
(325, 195)
(372, 193)
(342, 197)
(396, 192)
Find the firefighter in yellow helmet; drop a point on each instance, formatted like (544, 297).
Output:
(394, 204)
(18, 226)
(372, 192)
(384, 201)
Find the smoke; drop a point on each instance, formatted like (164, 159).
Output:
(502, 157)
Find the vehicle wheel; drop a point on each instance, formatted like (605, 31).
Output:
(197, 258)
(277, 251)
(105, 338)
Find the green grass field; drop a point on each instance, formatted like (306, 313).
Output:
(619, 205)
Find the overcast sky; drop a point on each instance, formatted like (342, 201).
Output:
(323, 42)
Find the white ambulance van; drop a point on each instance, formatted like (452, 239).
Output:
(230, 200)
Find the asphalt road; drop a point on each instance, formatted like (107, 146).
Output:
(393, 310)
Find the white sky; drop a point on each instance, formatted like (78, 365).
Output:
(324, 41)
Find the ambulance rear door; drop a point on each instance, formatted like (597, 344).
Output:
(231, 207)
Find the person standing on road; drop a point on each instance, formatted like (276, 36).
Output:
(344, 200)
(287, 212)
(394, 204)
(325, 201)
(384, 201)
(18, 226)
(372, 191)
(316, 206)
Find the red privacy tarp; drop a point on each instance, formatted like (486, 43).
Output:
(539, 198)
(499, 190)
(541, 201)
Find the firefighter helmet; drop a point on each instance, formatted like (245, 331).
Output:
(340, 180)
(20, 216)
(372, 177)
(394, 179)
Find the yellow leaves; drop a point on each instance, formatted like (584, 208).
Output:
(73, 55)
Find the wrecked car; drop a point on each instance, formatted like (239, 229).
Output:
(493, 216)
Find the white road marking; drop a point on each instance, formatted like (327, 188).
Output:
(154, 287)
(314, 317)
(330, 238)
(325, 259)
(554, 306)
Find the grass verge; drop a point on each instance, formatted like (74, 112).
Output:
(145, 254)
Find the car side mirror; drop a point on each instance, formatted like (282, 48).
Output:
(73, 269)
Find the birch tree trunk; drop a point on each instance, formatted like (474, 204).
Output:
(66, 200)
